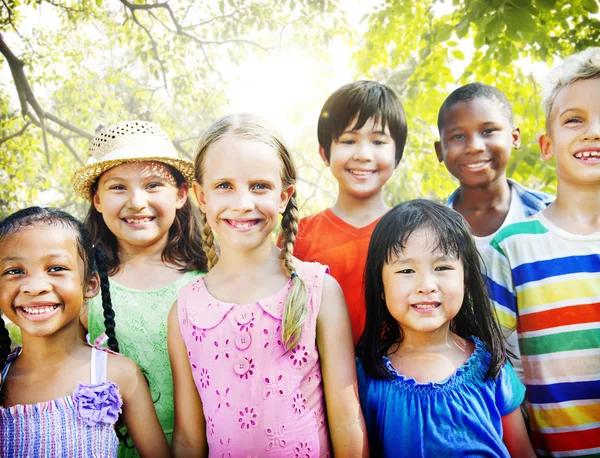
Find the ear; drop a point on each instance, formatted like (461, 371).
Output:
(96, 202)
(516, 138)
(93, 286)
(323, 156)
(182, 195)
(546, 147)
(199, 193)
(285, 197)
(438, 151)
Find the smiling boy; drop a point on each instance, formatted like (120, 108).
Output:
(362, 133)
(544, 273)
(477, 136)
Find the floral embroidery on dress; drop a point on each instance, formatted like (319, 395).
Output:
(275, 437)
(198, 334)
(299, 356)
(302, 450)
(210, 425)
(223, 401)
(204, 378)
(97, 404)
(248, 417)
(221, 349)
(298, 406)
(274, 386)
(272, 338)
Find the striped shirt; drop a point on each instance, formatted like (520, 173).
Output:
(545, 283)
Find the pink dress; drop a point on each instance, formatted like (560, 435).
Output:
(258, 400)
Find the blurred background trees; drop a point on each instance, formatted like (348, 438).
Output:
(70, 67)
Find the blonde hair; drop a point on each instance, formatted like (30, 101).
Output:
(247, 127)
(584, 65)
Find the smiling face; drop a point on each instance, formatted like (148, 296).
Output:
(42, 279)
(423, 289)
(476, 141)
(362, 160)
(242, 193)
(574, 133)
(138, 201)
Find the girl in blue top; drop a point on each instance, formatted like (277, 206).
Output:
(432, 371)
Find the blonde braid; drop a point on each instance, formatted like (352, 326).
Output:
(208, 243)
(295, 310)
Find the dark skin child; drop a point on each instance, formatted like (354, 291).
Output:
(476, 140)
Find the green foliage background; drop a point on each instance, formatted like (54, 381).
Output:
(98, 62)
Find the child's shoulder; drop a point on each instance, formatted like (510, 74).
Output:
(123, 372)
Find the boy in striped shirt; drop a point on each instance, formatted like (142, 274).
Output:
(544, 272)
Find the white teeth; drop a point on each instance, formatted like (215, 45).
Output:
(425, 306)
(476, 165)
(362, 172)
(138, 220)
(587, 154)
(242, 224)
(39, 310)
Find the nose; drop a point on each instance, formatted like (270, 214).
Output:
(35, 285)
(137, 199)
(243, 201)
(363, 151)
(592, 132)
(426, 283)
(475, 144)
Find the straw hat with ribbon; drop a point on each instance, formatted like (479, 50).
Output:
(128, 141)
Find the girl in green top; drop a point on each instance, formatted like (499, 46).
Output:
(142, 219)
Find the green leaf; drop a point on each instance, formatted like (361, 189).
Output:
(462, 28)
(546, 4)
(444, 32)
(458, 54)
(590, 6)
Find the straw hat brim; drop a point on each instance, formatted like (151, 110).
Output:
(85, 176)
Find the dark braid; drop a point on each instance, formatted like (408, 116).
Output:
(4, 344)
(109, 313)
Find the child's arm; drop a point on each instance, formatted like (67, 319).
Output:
(515, 435)
(138, 409)
(189, 431)
(334, 339)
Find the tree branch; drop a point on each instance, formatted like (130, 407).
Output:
(58, 135)
(16, 134)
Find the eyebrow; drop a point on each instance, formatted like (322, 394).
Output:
(409, 260)
(567, 110)
(355, 131)
(48, 256)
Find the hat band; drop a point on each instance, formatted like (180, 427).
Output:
(146, 152)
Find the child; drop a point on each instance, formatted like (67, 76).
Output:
(477, 134)
(59, 397)
(362, 133)
(432, 374)
(259, 367)
(545, 272)
(142, 218)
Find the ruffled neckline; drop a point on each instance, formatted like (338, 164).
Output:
(474, 367)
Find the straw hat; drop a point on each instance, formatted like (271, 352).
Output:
(128, 141)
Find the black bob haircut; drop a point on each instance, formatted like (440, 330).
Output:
(473, 91)
(93, 260)
(365, 99)
(453, 238)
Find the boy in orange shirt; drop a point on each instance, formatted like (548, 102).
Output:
(362, 133)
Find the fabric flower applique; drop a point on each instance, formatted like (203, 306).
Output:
(97, 404)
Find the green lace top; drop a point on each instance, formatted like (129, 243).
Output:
(141, 329)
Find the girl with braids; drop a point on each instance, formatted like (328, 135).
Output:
(142, 218)
(432, 369)
(261, 348)
(59, 396)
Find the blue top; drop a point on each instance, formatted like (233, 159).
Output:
(458, 417)
(533, 201)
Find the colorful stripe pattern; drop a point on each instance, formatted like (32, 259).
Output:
(51, 429)
(545, 283)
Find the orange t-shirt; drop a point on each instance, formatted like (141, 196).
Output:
(328, 239)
